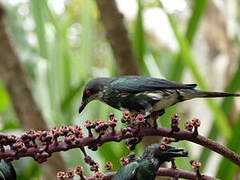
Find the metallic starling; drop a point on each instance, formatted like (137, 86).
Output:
(7, 171)
(144, 95)
(147, 165)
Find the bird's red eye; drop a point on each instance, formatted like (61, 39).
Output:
(162, 147)
(88, 92)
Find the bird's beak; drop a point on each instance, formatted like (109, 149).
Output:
(82, 106)
(177, 152)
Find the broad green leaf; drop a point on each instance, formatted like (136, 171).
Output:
(139, 42)
(4, 99)
(38, 11)
(226, 106)
(193, 24)
(190, 63)
(227, 168)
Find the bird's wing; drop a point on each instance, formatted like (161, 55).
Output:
(7, 171)
(140, 83)
(126, 172)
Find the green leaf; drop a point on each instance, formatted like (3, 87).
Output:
(190, 63)
(225, 165)
(178, 65)
(226, 106)
(11, 124)
(139, 43)
(38, 11)
(227, 168)
(27, 169)
(198, 10)
(68, 99)
(4, 102)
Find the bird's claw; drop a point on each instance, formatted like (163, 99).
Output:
(148, 124)
(155, 124)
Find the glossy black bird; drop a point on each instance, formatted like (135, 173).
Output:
(139, 94)
(7, 171)
(147, 165)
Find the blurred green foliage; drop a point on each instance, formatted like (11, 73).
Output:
(62, 51)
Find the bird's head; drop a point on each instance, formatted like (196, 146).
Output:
(93, 90)
(164, 152)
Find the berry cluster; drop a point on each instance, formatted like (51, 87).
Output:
(193, 124)
(101, 126)
(79, 171)
(41, 144)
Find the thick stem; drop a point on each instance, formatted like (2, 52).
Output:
(118, 136)
(170, 172)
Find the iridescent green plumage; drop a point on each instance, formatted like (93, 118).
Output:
(147, 165)
(139, 94)
(7, 172)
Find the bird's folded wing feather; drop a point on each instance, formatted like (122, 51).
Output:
(126, 172)
(7, 171)
(139, 84)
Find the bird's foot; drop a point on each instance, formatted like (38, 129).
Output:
(155, 124)
(148, 124)
(154, 116)
(173, 164)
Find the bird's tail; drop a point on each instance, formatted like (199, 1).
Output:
(193, 93)
(217, 94)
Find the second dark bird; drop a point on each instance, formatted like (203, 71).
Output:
(147, 165)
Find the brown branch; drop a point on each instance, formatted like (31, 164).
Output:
(170, 172)
(76, 140)
(117, 35)
(20, 93)
(179, 173)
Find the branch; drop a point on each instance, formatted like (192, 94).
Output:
(117, 35)
(26, 146)
(189, 136)
(179, 173)
(20, 93)
(170, 172)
